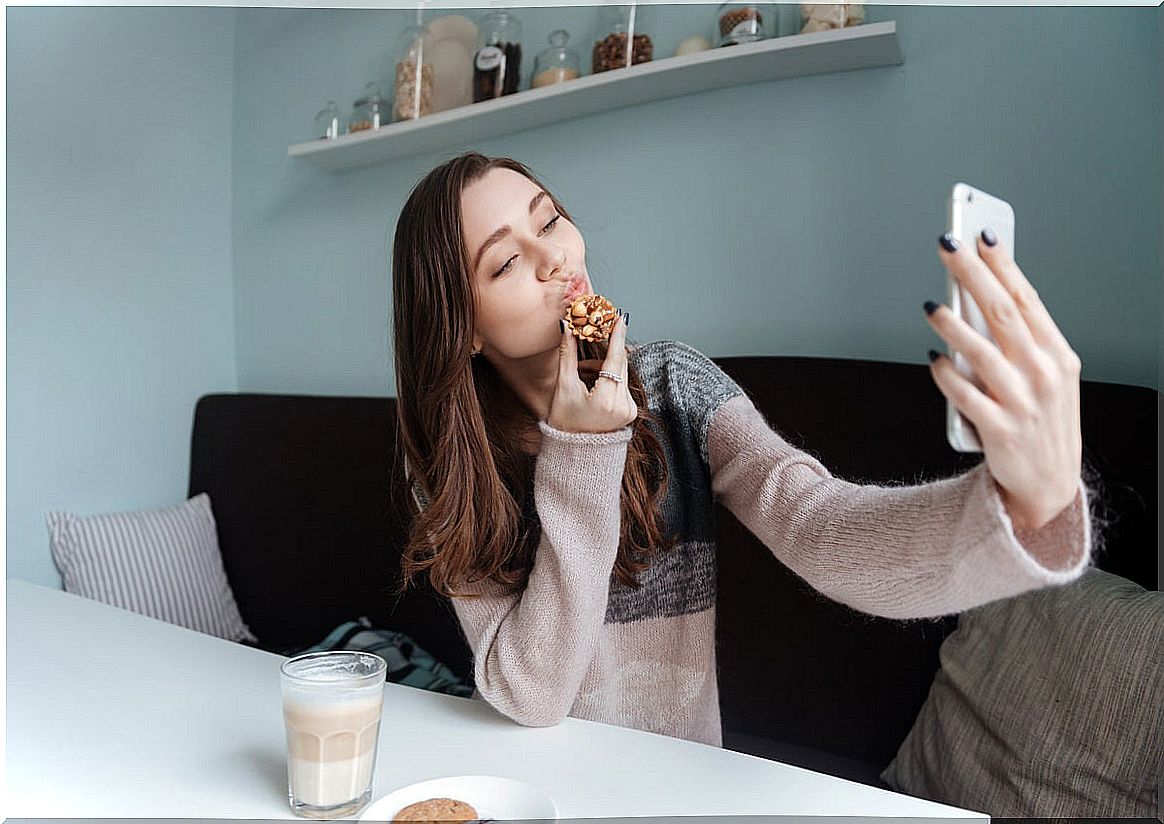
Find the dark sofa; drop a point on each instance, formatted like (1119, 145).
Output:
(310, 513)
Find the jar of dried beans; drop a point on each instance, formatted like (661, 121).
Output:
(744, 23)
(497, 63)
(369, 111)
(622, 39)
(414, 75)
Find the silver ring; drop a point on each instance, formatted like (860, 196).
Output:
(602, 373)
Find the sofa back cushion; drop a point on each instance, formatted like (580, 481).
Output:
(310, 521)
(308, 503)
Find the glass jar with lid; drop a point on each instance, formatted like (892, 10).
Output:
(744, 23)
(329, 121)
(825, 16)
(413, 81)
(497, 63)
(369, 111)
(556, 63)
(622, 39)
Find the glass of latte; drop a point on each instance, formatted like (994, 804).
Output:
(331, 707)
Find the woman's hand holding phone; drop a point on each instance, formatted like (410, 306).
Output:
(608, 405)
(1027, 416)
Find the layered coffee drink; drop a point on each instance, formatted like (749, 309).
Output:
(332, 703)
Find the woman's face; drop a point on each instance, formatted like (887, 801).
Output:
(527, 263)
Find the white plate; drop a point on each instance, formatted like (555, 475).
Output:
(491, 796)
(451, 43)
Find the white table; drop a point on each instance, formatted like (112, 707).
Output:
(114, 715)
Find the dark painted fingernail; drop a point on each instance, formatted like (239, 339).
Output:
(561, 326)
(988, 236)
(934, 355)
(948, 242)
(930, 307)
(626, 318)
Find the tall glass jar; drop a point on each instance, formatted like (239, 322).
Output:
(369, 111)
(497, 63)
(414, 75)
(330, 121)
(824, 16)
(744, 23)
(622, 38)
(557, 63)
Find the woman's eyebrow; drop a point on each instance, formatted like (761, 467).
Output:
(503, 231)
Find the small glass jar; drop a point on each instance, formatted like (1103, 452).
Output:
(369, 110)
(497, 63)
(413, 82)
(557, 63)
(329, 121)
(825, 16)
(618, 27)
(744, 23)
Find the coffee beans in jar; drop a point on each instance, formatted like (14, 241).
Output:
(497, 62)
(496, 70)
(611, 51)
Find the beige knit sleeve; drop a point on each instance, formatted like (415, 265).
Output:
(899, 552)
(532, 650)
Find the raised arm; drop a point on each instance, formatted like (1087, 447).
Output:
(899, 552)
(531, 651)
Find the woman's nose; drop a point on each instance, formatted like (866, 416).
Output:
(553, 262)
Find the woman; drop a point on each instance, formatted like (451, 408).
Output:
(566, 511)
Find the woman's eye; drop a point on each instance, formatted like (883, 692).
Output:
(509, 263)
(505, 268)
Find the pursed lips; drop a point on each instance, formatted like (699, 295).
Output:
(575, 287)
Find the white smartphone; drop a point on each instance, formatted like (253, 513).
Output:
(968, 212)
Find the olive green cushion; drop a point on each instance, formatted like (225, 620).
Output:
(1049, 704)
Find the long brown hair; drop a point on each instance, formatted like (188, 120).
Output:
(461, 426)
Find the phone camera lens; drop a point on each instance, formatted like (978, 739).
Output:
(970, 197)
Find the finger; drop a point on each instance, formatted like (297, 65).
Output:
(999, 259)
(984, 413)
(616, 350)
(1008, 327)
(567, 355)
(999, 377)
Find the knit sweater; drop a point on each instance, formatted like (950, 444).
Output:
(577, 642)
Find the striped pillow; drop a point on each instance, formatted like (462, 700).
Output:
(163, 563)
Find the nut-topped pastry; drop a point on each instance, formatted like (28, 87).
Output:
(591, 318)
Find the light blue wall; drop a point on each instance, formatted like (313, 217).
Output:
(797, 216)
(163, 245)
(118, 258)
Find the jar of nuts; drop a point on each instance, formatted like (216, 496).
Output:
(369, 110)
(414, 75)
(622, 38)
(744, 23)
(824, 16)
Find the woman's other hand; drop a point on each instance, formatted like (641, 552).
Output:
(1027, 416)
(606, 407)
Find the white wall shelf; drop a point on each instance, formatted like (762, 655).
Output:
(859, 47)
